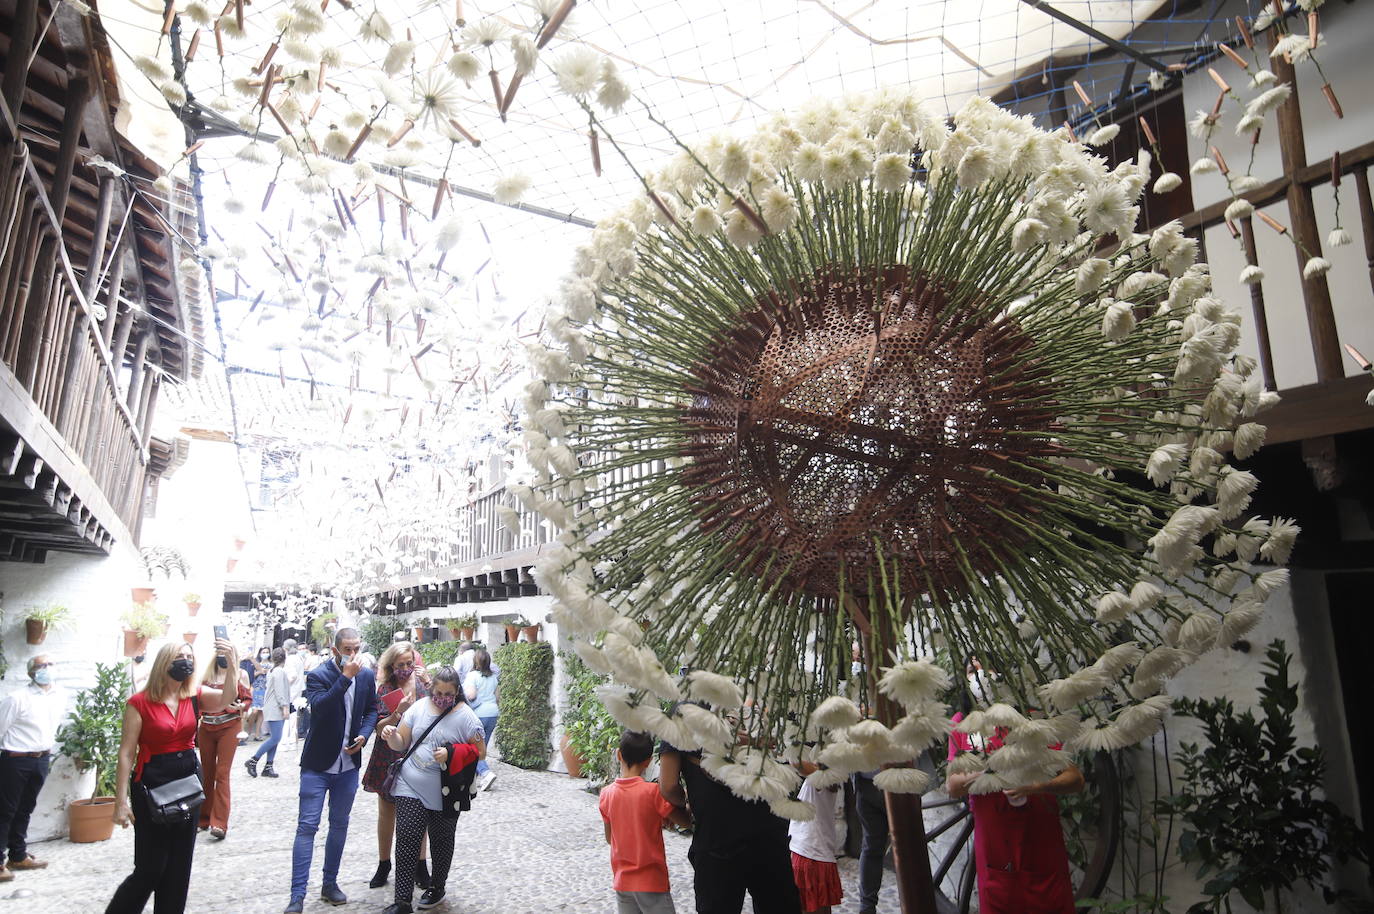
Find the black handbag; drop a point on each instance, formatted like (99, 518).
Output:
(393, 771)
(175, 802)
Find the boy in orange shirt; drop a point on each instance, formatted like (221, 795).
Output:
(633, 811)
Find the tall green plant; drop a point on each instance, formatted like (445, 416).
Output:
(91, 737)
(1254, 822)
(525, 729)
(377, 633)
(592, 732)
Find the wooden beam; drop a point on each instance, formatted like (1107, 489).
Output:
(1315, 410)
(1316, 294)
(22, 32)
(78, 93)
(134, 392)
(1366, 218)
(96, 261)
(1266, 353)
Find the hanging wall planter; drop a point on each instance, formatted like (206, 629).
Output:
(35, 631)
(135, 645)
(143, 594)
(189, 637)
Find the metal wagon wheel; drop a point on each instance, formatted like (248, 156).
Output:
(1093, 843)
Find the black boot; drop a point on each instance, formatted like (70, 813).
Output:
(422, 873)
(383, 871)
(268, 772)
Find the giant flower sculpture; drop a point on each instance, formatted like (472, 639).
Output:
(867, 377)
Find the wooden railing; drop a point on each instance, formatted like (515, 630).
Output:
(51, 345)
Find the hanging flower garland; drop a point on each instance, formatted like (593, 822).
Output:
(864, 377)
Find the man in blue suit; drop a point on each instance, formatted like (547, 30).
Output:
(343, 707)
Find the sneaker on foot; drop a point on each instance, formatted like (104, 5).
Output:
(252, 766)
(332, 895)
(431, 898)
(29, 862)
(488, 779)
(379, 878)
(398, 908)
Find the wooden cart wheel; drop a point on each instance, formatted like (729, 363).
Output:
(949, 840)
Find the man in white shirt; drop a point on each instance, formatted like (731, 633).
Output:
(29, 719)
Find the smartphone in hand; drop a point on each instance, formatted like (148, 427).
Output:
(222, 632)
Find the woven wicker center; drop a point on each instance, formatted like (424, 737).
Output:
(861, 416)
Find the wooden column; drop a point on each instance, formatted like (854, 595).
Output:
(121, 337)
(150, 408)
(112, 312)
(22, 32)
(71, 371)
(133, 393)
(78, 93)
(1316, 294)
(1266, 354)
(1366, 218)
(89, 285)
(145, 395)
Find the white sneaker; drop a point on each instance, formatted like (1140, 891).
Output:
(488, 780)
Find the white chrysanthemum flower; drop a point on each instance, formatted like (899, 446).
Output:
(1167, 182)
(398, 57)
(741, 230)
(1234, 490)
(795, 810)
(1065, 694)
(714, 689)
(510, 188)
(1315, 266)
(1237, 623)
(484, 32)
(1118, 321)
(1204, 166)
(734, 162)
(780, 209)
(1278, 546)
(1239, 208)
(1165, 462)
(1251, 274)
(1249, 437)
(1242, 184)
(976, 166)
(705, 220)
(154, 69)
(578, 71)
(254, 153)
(892, 171)
(1295, 46)
(614, 92)
(1161, 663)
(809, 162)
(1103, 135)
(465, 66)
(1145, 595)
(1112, 606)
(1199, 632)
(199, 13)
(524, 53)
(1027, 233)
(1269, 99)
(1090, 275)
(901, 780)
(174, 92)
(1339, 237)
(1249, 123)
(1263, 78)
(913, 681)
(835, 713)
(375, 28)
(1106, 209)
(592, 657)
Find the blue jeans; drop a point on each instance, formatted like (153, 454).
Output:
(274, 730)
(489, 728)
(314, 785)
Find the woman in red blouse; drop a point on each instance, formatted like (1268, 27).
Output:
(158, 745)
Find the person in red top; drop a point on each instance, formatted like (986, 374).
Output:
(157, 746)
(218, 739)
(1018, 842)
(633, 811)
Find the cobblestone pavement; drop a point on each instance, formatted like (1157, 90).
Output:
(533, 844)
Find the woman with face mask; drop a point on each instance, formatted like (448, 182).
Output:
(218, 739)
(395, 678)
(158, 746)
(434, 724)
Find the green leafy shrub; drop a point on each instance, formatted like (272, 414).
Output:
(592, 732)
(146, 619)
(321, 631)
(377, 633)
(439, 653)
(91, 736)
(1253, 821)
(525, 729)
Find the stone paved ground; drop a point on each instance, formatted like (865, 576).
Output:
(532, 845)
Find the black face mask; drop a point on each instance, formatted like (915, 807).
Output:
(221, 661)
(181, 669)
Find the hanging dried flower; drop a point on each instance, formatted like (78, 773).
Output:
(578, 71)
(1167, 182)
(465, 66)
(510, 188)
(484, 33)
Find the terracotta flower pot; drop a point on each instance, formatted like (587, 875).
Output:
(90, 820)
(230, 564)
(467, 633)
(419, 635)
(571, 759)
(134, 643)
(456, 633)
(512, 633)
(531, 632)
(192, 608)
(143, 594)
(35, 631)
(189, 637)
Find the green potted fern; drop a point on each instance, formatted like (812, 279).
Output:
(90, 738)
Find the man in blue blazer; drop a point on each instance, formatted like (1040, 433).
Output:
(343, 708)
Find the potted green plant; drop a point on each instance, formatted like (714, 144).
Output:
(192, 601)
(462, 626)
(42, 619)
(91, 739)
(513, 628)
(141, 622)
(322, 628)
(531, 629)
(420, 625)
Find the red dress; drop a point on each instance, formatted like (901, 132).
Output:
(382, 754)
(162, 732)
(1023, 866)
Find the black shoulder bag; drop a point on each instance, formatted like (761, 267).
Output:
(177, 802)
(393, 770)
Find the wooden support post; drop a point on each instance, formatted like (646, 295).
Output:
(77, 347)
(112, 313)
(145, 395)
(1316, 294)
(78, 93)
(22, 32)
(101, 232)
(133, 393)
(1366, 218)
(121, 338)
(1266, 354)
(150, 408)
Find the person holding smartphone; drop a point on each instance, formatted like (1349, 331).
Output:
(218, 738)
